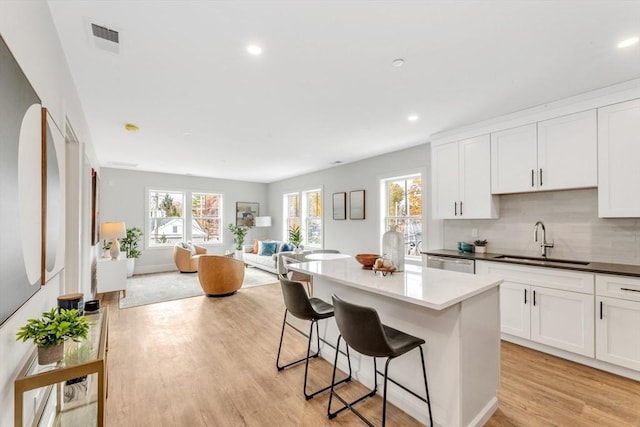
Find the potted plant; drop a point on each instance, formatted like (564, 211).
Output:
(239, 233)
(50, 331)
(480, 246)
(129, 245)
(295, 236)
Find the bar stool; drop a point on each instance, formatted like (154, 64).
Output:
(301, 306)
(361, 329)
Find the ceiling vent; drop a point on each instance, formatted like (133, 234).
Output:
(105, 38)
(104, 33)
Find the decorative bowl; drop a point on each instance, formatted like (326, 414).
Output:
(367, 260)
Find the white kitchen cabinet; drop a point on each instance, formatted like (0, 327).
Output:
(568, 152)
(618, 155)
(545, 305)
(461, 173)
(555, 154)
(563, 319)
(618, 320)
(111, 275)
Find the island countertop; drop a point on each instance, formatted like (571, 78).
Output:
(428, 287)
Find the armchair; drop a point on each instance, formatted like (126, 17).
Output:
(185, 259)
(219, 275)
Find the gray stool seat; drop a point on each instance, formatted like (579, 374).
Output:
(298, 304)
(362, 330)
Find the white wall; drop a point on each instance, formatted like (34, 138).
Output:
(359, 236)
(123, 198)
(28, 30)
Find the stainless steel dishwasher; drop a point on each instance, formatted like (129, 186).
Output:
(450, 263)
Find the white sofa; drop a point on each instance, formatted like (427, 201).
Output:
(264, 262)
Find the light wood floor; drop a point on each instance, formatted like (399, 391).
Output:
(211, 362)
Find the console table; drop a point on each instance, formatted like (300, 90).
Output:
(86, 358)
(111, 275)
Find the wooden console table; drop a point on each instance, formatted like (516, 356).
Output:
(86, 358)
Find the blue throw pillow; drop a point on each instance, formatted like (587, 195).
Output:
(268, 248)
(286, 247)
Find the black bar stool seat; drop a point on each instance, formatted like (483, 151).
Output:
(298, 303)
(361, 329)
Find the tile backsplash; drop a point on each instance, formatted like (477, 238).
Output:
(571, 221)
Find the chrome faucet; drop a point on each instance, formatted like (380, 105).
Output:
(544, 245)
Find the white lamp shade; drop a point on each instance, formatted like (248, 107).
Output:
(113, 230)
(263, 221)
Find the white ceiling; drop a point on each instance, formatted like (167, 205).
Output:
(324, 88)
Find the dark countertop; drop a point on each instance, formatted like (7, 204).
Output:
(591, 267)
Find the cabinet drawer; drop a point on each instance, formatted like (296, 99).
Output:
(539, 276)
(618, 287)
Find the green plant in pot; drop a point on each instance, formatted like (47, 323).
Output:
(480, 246)
(129, 245)
(49, 332)
(295, 236)
(239, 233)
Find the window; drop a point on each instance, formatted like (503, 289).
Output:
(402, 210)
(170, 222)
(304, 209)
(205, 212)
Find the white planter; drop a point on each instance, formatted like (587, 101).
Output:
(481, 249)
(238, 255)
(131, 265)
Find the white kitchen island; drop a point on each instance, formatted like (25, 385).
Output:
(457, 314)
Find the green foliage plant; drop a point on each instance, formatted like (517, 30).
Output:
(239, 233)
(53, 327)
(295, 235)
(480, 243)
(129, 244)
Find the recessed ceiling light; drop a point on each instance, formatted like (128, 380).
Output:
(628, 42)
(412, 118)
(254, 49)
(398, 62)
(131, 127)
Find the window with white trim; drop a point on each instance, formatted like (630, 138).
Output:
(304, 209)
(402, 210)
(170, 221)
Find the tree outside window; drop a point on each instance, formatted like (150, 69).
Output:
(403, 210)
(166, 222)
(205, 214)
(304, 209)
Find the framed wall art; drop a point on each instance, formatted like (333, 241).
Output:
(356, 204)
(246, 213)
(340, 205)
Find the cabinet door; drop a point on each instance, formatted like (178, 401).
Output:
(445, 173)
(618, 332)
(563, 320)
(515, 309)
(476, 200)
(514, 160)
(618, 154)
(568, 152)
(111, 275)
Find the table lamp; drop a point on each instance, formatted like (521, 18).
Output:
(113, 231)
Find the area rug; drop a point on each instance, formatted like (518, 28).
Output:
(159, 287)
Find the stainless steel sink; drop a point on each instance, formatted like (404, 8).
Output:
(542, 261)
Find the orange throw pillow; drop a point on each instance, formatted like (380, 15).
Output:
(255, 246)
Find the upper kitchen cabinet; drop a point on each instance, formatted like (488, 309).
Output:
(461, 174)
(618, 155)
(555, 154)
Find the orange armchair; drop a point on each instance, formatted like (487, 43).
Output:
(220, 276)
(186, 261)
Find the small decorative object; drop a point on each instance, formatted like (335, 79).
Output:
(393, 248)
(480, 246)
(383, 265)
(295, 237)
(91, 306)
(340, 205)
(70, 301)
(465, 247)
(50, 331)
(367, 260)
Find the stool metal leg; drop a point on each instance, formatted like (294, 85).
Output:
(284, 324)
(426, 386)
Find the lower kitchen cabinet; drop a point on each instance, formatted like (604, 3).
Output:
(532, 307)
(618, 320)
